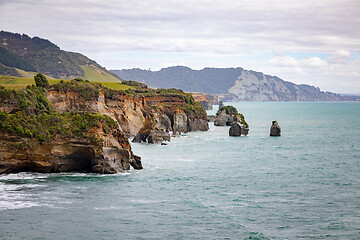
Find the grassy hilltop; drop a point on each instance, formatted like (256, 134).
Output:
(23, 56)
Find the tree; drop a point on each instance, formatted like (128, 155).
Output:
(41, 81)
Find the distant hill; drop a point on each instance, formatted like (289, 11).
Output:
(230, 84)
(21, 55)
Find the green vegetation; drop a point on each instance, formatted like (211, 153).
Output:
(30, 100)
(135, 84)
(232, 111)
(23, 54)
(33, 117)
(115, 85)
(41, 81)
(194, 110)
(11, 60)
(45, 127)
(12, 82)
(96, 73)
(89, 91)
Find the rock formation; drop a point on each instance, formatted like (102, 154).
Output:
(206, 100)
(138, 116)
(211, 118)
(223, 119)
(67, 155)
(80, 126)
(275, 130)
(238, 129)
(235, 129)
(229, 116)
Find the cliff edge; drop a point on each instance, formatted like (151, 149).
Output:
(82, 126)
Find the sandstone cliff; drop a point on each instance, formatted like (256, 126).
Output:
(139, 112)
(35, 137)
(82, 126)
(66, 155)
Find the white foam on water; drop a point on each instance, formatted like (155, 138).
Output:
(6, 205)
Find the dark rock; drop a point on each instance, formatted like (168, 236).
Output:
(136, 163)
(238, 129)
(197, 124)
(235, 129)
(223, 119)
(138, 138)
(275, 130)
(211, 118)
(244, 129)
(180, 122)
(164, 143)
(158, 136)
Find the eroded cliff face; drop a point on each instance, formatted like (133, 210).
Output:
(137, 117)
(113, 155)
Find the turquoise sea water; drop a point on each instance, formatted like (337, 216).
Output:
(207, 185)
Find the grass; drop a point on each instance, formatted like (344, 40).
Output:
(92, 73)
(116, 85)
(17, 83)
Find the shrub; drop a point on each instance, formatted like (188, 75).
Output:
(28, 133)
(41, 138)
(41, 81)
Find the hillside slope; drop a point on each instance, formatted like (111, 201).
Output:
(231, 84)
(19, 53)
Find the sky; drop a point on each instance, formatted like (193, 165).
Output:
(315, 42)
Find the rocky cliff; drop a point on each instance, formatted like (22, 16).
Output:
(138, 111)
(206, 100)
(230, 84)
(36, 137)
(83, 126)
(66, 155)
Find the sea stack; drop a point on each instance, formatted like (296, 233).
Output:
(275, 130)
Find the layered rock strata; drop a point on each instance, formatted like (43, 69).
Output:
(113, 155)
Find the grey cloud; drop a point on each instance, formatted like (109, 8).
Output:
(198, 27)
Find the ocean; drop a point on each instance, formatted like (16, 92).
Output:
(207, 185)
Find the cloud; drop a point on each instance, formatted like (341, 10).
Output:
(227, 30)
(338, 73)
(339, 56)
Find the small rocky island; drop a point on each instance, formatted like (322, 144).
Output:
(229, 116)
(83, 126)
(275, 130)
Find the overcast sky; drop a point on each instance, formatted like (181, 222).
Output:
(316, 42)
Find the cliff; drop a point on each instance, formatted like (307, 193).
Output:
(230, 84)
(206, 100)
(137, 111)
(82, 126)
(112, 155)
(35, 137)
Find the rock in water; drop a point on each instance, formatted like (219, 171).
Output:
(244, 129)
(238, 129)
(275, 130)
(235, 129)
(158, 136)
(210, 118)
(223, 119)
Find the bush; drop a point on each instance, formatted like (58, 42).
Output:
(41, 138)
(41, 81)
(230, 110)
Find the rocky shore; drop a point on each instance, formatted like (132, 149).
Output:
(69, 141)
